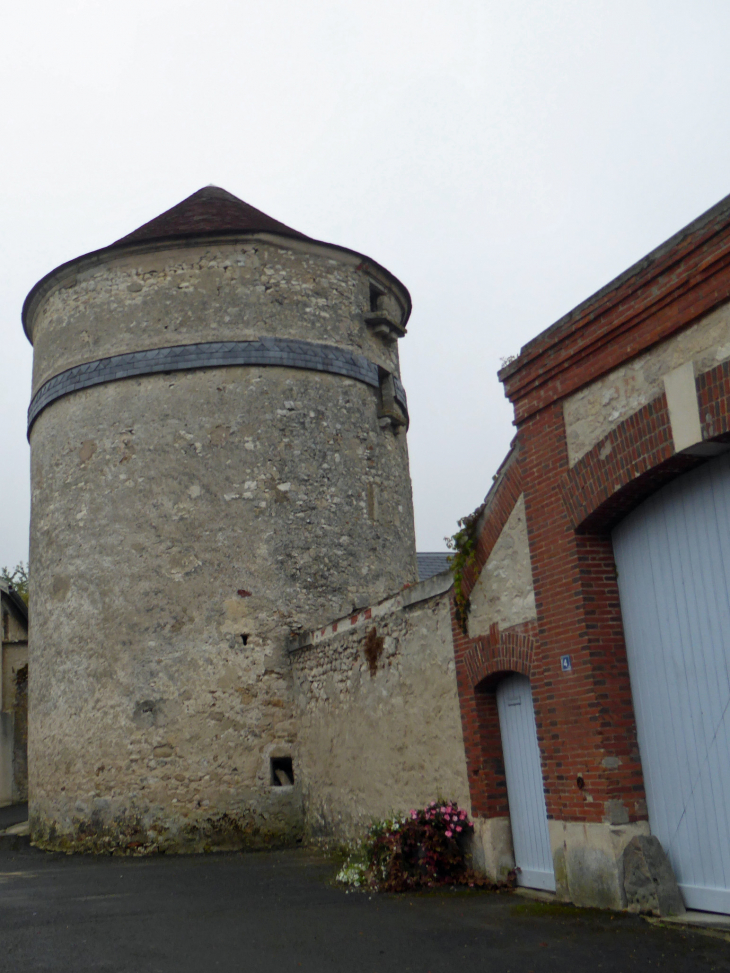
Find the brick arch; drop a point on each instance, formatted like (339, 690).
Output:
(499, 653)
(634, 460)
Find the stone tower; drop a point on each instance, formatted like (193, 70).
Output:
(218, 461)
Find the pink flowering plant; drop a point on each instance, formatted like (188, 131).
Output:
(424, 848)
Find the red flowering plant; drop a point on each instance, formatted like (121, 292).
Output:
(423, 849)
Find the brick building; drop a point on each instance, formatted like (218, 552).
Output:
(621, 409)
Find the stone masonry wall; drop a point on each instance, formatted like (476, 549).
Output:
(504, 592)
(594, 411)
(213, 292)
(183, 525)
(384, 735)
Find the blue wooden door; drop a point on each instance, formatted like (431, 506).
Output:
(527, 811)
(673, 559)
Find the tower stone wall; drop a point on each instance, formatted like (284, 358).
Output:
(218, 463)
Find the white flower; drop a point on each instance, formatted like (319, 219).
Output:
(352, 873)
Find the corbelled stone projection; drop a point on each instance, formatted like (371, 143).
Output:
(218, 462)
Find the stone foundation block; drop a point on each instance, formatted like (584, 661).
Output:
(588, 861)
(491, 851)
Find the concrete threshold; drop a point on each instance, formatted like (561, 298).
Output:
(539, 895)
(715, 924)
(15, 837)
(11, 814)
(712, 923)
(21, 828)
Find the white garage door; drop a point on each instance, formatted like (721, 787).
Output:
(524, 784)
(673, 561)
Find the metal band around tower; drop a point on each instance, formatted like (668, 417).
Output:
(284, 352)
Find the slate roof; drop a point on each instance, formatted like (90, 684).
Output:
(431, 563)
(15, 601)
(209, 210)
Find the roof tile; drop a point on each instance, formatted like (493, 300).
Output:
(208, 211)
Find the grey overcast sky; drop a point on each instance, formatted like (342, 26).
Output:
(504, 158)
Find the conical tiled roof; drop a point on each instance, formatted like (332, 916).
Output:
(210, 210)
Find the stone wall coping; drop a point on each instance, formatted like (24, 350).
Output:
(432, 587)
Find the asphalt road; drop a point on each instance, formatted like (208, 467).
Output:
(280, 912)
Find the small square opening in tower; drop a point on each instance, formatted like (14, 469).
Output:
(376, 298)
(282, 772)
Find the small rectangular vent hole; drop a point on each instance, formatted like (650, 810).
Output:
(282, 772)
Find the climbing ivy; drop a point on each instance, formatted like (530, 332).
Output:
(464, 545)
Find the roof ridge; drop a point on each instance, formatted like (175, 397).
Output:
(210, 210)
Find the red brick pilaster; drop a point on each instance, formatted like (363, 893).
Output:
(584, 716)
